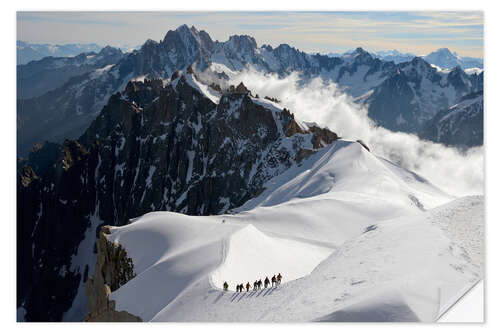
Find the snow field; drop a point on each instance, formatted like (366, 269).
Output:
(355, 237)
(251, 255)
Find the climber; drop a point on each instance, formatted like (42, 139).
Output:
(225, 286)
(273, 280)
(279, 278)
(266, 282)
(259, 284)
(255, 284)
(248, 286)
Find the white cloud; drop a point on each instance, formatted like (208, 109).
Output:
(454, 172)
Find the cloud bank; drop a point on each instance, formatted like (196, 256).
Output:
(322, 102)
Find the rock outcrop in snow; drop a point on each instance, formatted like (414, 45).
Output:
(112, 270)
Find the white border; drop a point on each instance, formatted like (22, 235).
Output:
(8, 135)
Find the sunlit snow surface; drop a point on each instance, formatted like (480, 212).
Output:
(355, 237)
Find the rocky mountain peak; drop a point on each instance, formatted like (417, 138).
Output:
(190, 36)
(418, 67)
(240, 89)
(149, 43)
(143, 92)
(444, 58)
(27, 176)
(284, 48)
(419, 61)
(242, 43)
(444, 51)
(110, 51)
(359, 50)
(459, 79)
(267, 47)
(184, 46)
(184, 28)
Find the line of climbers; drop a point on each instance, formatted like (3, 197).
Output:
(275, 281)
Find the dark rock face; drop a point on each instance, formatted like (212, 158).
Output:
(51, 213)
(392, 101)
(113, 269)
(151, 148)
(460, 126)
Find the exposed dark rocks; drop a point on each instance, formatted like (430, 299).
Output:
(216, 87)
(112, 270)
(175, 75)
(361, 142)
(272, 99)
(241, 89)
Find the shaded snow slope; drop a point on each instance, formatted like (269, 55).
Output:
(251, 255)
(348, 231)
(336, 193)
(344, 168)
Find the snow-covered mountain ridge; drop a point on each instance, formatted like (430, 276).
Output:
(460, 125)
(416, 92)
(442, 58)
(39, 77)
(66, 111)
(348, 252)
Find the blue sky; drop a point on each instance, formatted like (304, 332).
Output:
(416, 32)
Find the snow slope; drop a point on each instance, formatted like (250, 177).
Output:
(348, 231)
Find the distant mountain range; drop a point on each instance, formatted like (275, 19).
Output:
(39, 77)
(400, 96)
(442, 58)
(27, 52)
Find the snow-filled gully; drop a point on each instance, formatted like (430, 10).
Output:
(252, 255)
